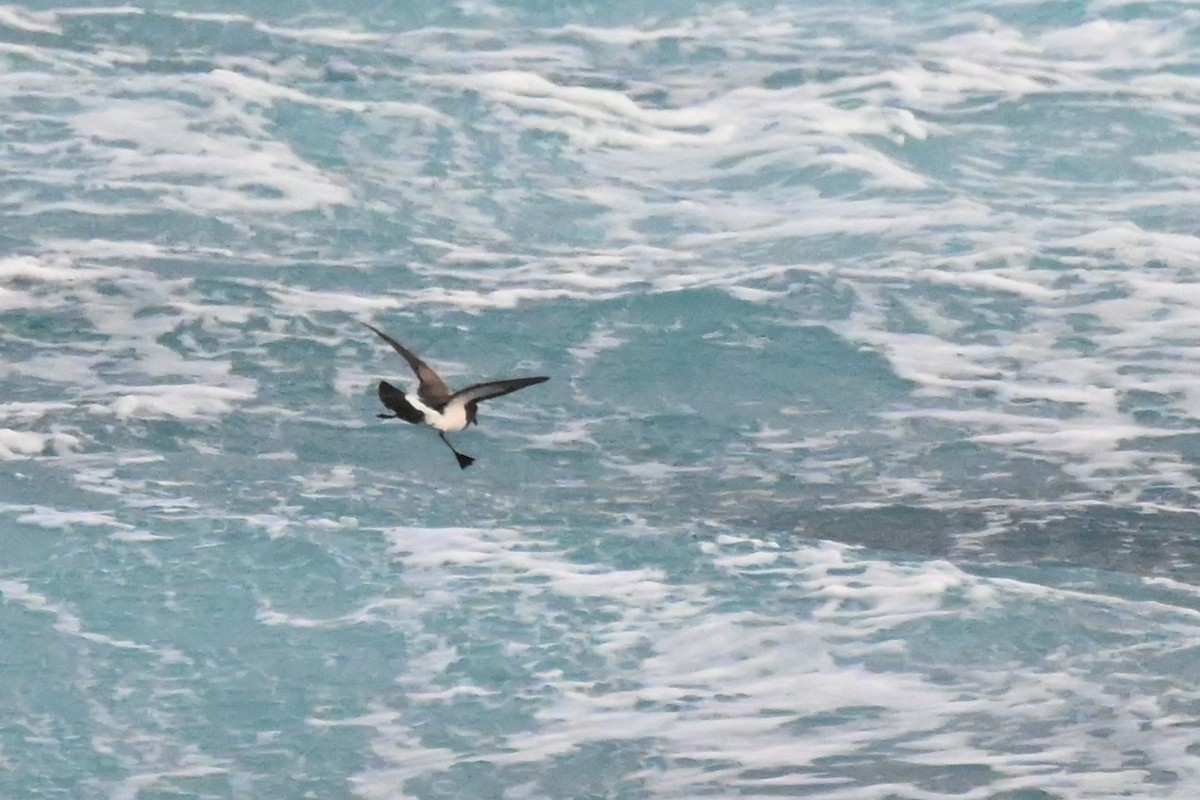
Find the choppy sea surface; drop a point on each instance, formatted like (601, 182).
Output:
(869, 466)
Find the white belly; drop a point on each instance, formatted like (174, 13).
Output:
(451, 419)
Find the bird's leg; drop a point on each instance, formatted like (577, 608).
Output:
(387, 416)
(464, 460)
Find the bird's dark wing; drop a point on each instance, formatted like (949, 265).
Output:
(395, 400)
(432, 390)
(486, 391)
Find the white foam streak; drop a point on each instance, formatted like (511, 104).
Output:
(30, 21)
(571, 110)
(65, 622)
(509, 553)
(332, 37)
(18, 444)
(1109, 41)
(52, 518)
(57, 270)
(100, 11)
(249, 89)
(719, 25)
(181, 401)
(994, 281)
(227, 171)
(589, 103)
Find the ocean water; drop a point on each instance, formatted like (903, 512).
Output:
(869, 466)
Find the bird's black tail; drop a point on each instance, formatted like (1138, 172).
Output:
(464, 460)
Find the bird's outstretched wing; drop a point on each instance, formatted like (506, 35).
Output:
(485, 391)
(432, 390)
(398, 404)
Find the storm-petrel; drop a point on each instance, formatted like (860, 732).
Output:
(435, 405)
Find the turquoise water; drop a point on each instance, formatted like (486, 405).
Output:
(868, 468)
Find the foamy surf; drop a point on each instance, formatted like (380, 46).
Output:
(867, 467)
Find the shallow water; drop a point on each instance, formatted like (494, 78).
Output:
(867, 468)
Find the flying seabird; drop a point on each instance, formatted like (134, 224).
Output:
(435, 405)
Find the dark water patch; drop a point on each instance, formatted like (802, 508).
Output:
(1144, 542)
